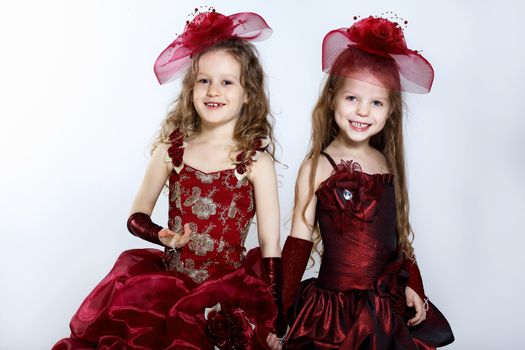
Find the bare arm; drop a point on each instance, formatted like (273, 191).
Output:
(300, 228)
(157, 173)
(263, 178)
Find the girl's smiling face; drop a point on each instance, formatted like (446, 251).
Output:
(218, 95)
(361, 109)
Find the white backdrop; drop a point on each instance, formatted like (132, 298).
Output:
(80, 105)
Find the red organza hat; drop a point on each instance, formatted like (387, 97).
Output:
(377, 43)
(204, 31)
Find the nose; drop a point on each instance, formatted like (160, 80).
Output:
(362, 110)
(214, 90)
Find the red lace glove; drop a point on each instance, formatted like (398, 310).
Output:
(414, 278)
(274, 272)
(295, 255)
(140, 225)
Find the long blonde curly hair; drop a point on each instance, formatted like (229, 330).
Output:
(389, 141)
(255, 120)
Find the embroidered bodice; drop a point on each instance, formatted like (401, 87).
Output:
(357, 221)
(218, 207)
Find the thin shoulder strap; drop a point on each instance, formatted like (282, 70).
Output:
(329, 159)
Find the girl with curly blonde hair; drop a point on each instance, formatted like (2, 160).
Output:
(215, 153)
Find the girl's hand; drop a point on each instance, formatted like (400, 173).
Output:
(415, 301)
(173, 239)
(273, 342)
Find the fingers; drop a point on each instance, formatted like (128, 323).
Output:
(273, 342)
(166, 233)
(185, 238)
(187, 232)
(181, 240)
(420, 311)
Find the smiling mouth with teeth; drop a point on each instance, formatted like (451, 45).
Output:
(359, 126)
(213, 104)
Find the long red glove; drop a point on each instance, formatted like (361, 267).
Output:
(414, 277)
(295, 255)
(274, 272)
(140, 225)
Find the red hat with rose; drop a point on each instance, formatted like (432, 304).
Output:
(205, 30)
(377, 43)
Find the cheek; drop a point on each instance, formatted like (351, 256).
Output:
(195, 93)
(382, 120)
(341, 111)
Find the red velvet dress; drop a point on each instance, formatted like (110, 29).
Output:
(156, 300)
(358, 301)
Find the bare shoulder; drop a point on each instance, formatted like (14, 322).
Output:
(322, 172)
(160, 155)
(162, 148)
(380, 162)
(263, 166)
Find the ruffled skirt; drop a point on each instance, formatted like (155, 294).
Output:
(360, 319)
(140, 305)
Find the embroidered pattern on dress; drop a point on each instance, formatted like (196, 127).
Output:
(201, 243)
(207, 178)
(251, 206)
(232, 210)
(188, 267)
(219, 209)
(229, 251)
(244, 232)
(176, 195)
(175, 224)
(203, 207)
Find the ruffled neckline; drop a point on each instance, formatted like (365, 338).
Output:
(353, 169)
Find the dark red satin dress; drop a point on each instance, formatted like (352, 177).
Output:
(157, 300)
(358, 301)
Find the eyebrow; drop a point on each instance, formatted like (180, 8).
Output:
(351, 92)
(226, 76)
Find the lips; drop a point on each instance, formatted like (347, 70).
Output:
(359, 126)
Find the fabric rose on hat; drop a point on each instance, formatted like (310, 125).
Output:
(206, 29)
(380, 35)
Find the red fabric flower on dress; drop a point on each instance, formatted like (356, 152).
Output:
(245, 159)
(353, 192)
(175, 151)
(391, 284)
(229, 328)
